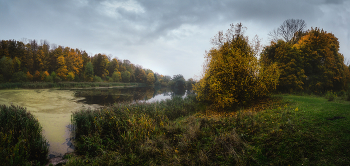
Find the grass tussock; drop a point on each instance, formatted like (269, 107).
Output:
(21, 140)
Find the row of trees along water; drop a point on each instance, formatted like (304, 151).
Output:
(30, 61)
(297, 60)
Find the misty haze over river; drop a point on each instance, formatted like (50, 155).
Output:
(53, 107)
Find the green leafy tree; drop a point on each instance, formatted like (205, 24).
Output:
(113, 66)
(116, 76)
(100, 63)
(6, 68)
(178, 83)
(125, 76)
(89, 72)
(19, 77)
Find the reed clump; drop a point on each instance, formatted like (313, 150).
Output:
(21, 140)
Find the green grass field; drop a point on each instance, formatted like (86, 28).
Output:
(284, 130)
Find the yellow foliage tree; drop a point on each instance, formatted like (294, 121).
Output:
(74, 61)
(37, 76)
(29, 76)
(323, 64)
(44, 75)
(70, 76)
(232, 74)
(62, 68)
(150, 79)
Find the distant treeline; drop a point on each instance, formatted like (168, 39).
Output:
(28, 62)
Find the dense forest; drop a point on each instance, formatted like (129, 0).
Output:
(22, 62)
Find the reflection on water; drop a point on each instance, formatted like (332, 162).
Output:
(111, 96)
(54, 108)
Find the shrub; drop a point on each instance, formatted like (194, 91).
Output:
(21, 140)
(330, 95)
(49, 79)
(97, 79)
(57, 79)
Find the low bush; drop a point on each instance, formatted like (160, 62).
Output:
(21, 140)
(330, 95)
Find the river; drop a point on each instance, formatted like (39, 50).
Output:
(53, 107)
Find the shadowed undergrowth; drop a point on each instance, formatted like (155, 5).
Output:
(21, 140)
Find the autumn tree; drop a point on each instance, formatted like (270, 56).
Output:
(150, 78)
(116, 76)
(232, 74)
(29, 76)
(140, 75)
(62, 70)
(74, 61)
(37, 76)
(70, 76)
(44, 75)
(113, 66)
(39, 60)
(289, 62)
(323, 64)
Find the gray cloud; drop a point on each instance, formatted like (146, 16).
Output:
(170, 36)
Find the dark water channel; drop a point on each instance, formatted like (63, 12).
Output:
(53, 108)
(106, 97)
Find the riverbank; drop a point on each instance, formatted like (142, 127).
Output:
(282, 130)
(68, 85)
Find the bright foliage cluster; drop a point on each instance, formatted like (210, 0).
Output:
(233, 75)
(312, 63)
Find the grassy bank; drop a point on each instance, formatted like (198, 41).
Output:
(283, 130)
(21, 141)
(64, 85)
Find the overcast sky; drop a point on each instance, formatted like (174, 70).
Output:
(167, 36)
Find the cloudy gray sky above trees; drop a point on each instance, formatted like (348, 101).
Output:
(167, 36)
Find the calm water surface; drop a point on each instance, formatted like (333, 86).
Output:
(54, 108)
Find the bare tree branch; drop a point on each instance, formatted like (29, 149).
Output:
(288, 29)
